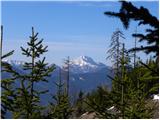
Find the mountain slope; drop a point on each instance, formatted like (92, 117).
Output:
(85, 75)
(85, 64)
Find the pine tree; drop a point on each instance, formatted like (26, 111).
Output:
(119, 100)
(137, 100)
(141, 81)
(99, 101)
(80, 108)
(66, 68)
(131, 100)
(150, 76)
(7, 93)
(119, 56)
(114, 53)
(27, 100)
(60, 108)
(129, 12)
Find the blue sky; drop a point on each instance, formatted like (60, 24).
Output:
(68, 28)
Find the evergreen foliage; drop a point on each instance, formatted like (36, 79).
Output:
(130, 99)
(99, 101)
(129, 12)
(150, 76)
(60, 108)
(132, 85)
(80, 105)
(27, 101)
(66, 69)
(7, 93)
(114, 51)
(120, 84)
(141, 82)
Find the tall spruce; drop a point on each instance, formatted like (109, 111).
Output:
(119, 93)
(124, 77)
(7, 91)
(66, 68)
(137, 96)
(129, 12)
(115, 51)
(60, 107)
(27, 100)
(131, 100)
(99, 101)
(141, 80)
(79, 106)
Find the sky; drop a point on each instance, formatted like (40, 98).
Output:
(68, 28)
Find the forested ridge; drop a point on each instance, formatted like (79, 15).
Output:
(134, 82)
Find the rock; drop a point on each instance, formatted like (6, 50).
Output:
(88, 115)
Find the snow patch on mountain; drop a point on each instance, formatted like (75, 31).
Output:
(80, 65)
(85, 64)
(14, 62)
(81, 78)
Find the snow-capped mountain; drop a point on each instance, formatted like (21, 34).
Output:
(85, 64)
(16, 65)
(85, 75)
(82, 64)
(14, 62)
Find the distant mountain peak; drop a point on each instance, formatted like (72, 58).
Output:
(84, 60)
(14, 62)
(84, 64)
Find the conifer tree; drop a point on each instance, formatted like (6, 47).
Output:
(137, 100)
(141, 80)
(114, 53)
(119, 56)
(130, 101)
(80, 108)
(27, 100)
(7, 92)
(99, 101)
(119, 100)
(150, 76)
(129, 12)
(66, 68)
(60, 108)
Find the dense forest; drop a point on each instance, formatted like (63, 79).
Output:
(133, 85)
